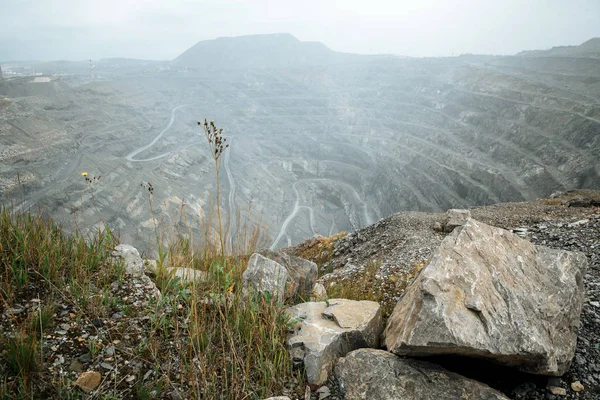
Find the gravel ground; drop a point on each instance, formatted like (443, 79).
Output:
(404, 240)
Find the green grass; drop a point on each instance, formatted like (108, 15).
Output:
(204, 338)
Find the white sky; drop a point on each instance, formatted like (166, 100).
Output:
(162, 29)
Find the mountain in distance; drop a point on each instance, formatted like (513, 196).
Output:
(590, 49)
(281, 50)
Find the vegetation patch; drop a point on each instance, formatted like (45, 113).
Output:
(318, 249)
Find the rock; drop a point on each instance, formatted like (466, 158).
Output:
(371, 374)
(577, 386)
(88, 381)
(487, 293)
(324, 331)
(188, 274)
(134, 265)
(150, 266)
(98, 323)
(558, 391)
(521, 232)
(456, 218)
(76, 366)
(85, 358)
(319, 293)
(323, 393)
(264, 275)
(578, 223)
(151, 286)
(302, 277)
(583, 202)
(106, 365)
(437, 227)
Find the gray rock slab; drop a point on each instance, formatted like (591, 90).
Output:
(265, 275)
(369, 374)
(325, 331)
(490, 294)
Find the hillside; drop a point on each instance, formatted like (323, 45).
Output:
(76, 319)
(590, 48)
(317, 146)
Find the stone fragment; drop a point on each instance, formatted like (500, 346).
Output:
(323, 393)
(302, 277)
(76, 366)
(577, 386)
(265, 275)
(134, 265)
(187, 274)
(319, 293)
(557, 391)
(324, 331)
(106, 365)
(455, 218)
(583, 202)
(487, 293)
(369, 374)
(88, 381)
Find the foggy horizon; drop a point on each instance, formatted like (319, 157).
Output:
(79, 30)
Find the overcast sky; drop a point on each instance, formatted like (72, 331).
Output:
(162, 29)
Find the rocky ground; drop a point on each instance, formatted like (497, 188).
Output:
(569, 221)
(131, 329)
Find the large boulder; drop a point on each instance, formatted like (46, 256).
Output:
(264, 275)
(488, 293)
(325, 331)
(303, 274)
(134, 265)
(370, 374)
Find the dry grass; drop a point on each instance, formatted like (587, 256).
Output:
(318, 250)
(216, 345)
(366, 286)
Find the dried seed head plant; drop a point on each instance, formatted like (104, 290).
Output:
(218, 144)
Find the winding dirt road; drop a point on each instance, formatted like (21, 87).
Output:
(130, 156)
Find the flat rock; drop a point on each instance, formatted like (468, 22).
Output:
(325, 331)
(370, 374)
(88, 381)
(490, 294)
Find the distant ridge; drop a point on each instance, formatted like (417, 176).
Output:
(590, 48)
(258, 51)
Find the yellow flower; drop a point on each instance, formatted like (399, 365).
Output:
(84, 174)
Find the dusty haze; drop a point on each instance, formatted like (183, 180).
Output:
(83, 29)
